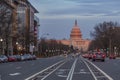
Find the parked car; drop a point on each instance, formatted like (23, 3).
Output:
(3, 58)
(12, 58)
(112, 56)
(28, 56)
(98, 56)
(23, 58)
(18, 57)
(34, 57)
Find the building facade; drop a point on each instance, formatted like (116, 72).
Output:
(76, 39)
(23, 26)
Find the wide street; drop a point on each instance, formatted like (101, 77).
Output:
(61, 68)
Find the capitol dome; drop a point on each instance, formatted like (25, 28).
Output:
(75, 33)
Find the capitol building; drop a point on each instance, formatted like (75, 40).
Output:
(76, 39)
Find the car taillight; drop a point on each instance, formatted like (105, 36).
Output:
(94, 55)
(103, 55)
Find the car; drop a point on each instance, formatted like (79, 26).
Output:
(3, 58)
(85, 55)
(90, 56)
(112, 56)
(98, 56)
(18, 57)
(27, 57)
(34, 57)
(65, 55)
(12, 58)
(23, 58)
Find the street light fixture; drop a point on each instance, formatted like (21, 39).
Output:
(110, 41)
(16, 43)
(1, 40)
(41, 40)
(16, 47)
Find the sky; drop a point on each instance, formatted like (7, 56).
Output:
(57, 17)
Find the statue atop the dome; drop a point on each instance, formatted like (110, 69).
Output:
(75, 22)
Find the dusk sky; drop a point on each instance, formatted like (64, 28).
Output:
(57, 17)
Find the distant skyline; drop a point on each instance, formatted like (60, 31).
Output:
(57, 16)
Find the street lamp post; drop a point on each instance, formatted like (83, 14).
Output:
(16, 48)
(110, 39)
(33, 49)
(115, 52)
(1, 40)
(41, 45)
(110, 46)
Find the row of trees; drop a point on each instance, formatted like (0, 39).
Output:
(106, 37)
(51, 48)
(5, 26)
(16, 34)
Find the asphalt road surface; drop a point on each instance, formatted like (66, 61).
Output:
(61, 68)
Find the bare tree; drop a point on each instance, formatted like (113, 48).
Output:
(106, 36)
(5, 23)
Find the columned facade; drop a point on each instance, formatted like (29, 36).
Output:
(76, 39)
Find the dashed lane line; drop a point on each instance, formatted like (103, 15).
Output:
(18, 67)
(90, 70)
(100, 70)
(0, 77)
(70, 75)
(52, 71)
(15, 74)
(43, 70)
(62, 75)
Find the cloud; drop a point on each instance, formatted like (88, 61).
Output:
(95, 1)
(57, 16)
(73, 16)
(72, 8)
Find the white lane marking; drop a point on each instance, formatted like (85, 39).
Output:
(84, 73)
(52, 71)
(18, 67)
(0, 77)
(43, 70)
(63, 69)
(100, 76)
(82, 70)
(100, 70)
(62, 75)
(70, 75)
(14, 74)
(62, 72)
(90, 70)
